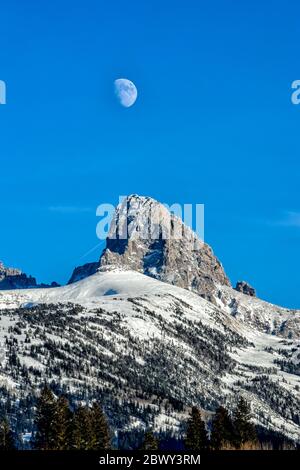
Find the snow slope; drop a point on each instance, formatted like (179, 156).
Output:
(142, 344)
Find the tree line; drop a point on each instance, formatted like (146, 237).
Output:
(58, 426)
(227, 431)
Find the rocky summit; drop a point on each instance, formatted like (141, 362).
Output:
(145, 237)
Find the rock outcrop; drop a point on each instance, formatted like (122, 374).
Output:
(84, 271)
(245, 288)
(12, 278)
(145, 237)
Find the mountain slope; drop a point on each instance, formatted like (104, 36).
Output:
(151, 329)
(148, 349)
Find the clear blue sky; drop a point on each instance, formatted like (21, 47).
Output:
(213, 124)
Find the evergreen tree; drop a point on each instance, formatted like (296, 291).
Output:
(82, 429)
(244, 430)
(222, 429)
(62, 424)
(196, 435)
(150, 442)
(6, 436)
(100, 438)
(45, 438)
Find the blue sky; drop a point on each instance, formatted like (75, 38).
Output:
(213, 124)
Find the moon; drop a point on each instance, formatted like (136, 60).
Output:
(125, 91)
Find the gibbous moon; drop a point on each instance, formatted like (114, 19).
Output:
(125, 91)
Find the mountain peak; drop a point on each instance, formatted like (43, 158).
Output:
(146, 237)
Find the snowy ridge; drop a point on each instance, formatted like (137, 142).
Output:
(151, 329)
(258, 313)
(132, 339)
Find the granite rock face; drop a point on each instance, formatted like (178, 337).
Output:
(245, 288)
(145, 237)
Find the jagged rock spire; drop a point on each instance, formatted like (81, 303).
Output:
(174, 253)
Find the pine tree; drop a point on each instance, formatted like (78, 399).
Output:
(6, 436)
(100, 438)
(196, 435)
(150, 442)
(244, 430)
(82, 438)
(45, 438)
(222, 429)
(62, 424)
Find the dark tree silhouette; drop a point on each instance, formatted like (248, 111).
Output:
(244, 430)
(6, 436)
(100, 436)
(63, 424)
(222, 429)
(196, 435)
(45, 438)
(82, 429)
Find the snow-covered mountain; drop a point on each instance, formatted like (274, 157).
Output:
(150, 348)
(147, 344)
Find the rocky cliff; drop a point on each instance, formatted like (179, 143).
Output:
(145, 237)
(84, 271)
(12, 278)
